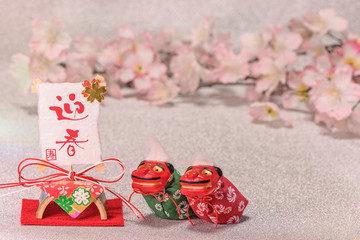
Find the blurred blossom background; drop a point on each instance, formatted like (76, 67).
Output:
(92, 18)
(308, 57)
(301, 179)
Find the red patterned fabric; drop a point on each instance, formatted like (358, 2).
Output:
(72, 196)
(226, 200)
(54, 216)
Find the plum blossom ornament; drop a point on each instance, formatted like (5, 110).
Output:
(49, 38)
(35, 85)
(94, 90)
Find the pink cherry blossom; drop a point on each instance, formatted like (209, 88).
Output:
(163, 64)
(353, 36)
(313, 47)
(19, 70)
(267, 111)
(252, 95)
(283, 44)
(255, 42)
(163, 41)
(203, 33)
(231, 67)
(298, 26)
(112, 53)
(337, 96)
(270, 73)
(137, 40)
(323, 69)
(348, 124)
(49, 38)
(264, 111)
(112, 76)
(88, 48)
(78, 71)
(297, 93)
(140, 67)
(125, 32)
(353, 121)
(349, 54)
(186, 70)
(326, 20)
(328, 121)
(311, 43)
(114, 89)
(46, 69)
(162, 91)
(206, 56)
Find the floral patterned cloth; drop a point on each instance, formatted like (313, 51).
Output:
(72, 196)
(167, 209)
(226, 200)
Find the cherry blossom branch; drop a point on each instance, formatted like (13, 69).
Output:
(355, 106)
(330, 34)
(331, 48)
(238, 83)
(162, 65)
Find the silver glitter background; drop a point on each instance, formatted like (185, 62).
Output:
(302, 183)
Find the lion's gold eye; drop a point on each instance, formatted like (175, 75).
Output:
(206, 172)
(141, 165)
(188, 171)
(157, 169)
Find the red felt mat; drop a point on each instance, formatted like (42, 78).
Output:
(55, 216)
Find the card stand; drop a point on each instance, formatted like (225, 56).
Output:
(44, 201)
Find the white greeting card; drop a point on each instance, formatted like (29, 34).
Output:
(68, 125)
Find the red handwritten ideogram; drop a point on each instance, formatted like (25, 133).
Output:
(77, 108)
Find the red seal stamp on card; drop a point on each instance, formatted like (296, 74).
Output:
(50, 154)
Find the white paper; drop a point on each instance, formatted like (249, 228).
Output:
(68, 125)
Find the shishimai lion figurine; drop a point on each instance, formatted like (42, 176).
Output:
(158, 182)
(212, 196)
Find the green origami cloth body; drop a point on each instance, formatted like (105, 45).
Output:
(167, 209)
